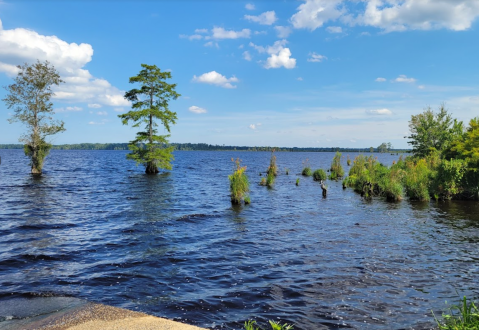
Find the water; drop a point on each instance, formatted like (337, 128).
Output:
(95, 227)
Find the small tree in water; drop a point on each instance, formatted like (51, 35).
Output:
(150, 103)
(29, 97)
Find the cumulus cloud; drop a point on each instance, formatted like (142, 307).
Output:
(279, 55)
(217, 79)
(248, 6)
(69, 109)
(247, 55)
(380, 112)
(312, 14)
(197, 110)
(221, 33)
(420, 14)
(94, 105)
(211, 44)
(283, 58)
(252, 126)
(334, 29)
(380, 79)
(201, 31)
(266, 18)
(282, 31)
(405, 79)
(102, 113)
(22, 45)
(316, 57)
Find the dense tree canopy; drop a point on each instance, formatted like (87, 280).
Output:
(150, 103)
(29, 97)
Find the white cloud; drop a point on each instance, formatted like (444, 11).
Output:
(22, 45)
(380, 112)
(102, 113)
(254, 126)
(316, 57)
(211, 44)
(283, 58)
(192, 37)
(334, 29)
(201, 31)
(69, 109)
(404, 15)
(215, 78)
(312, 14)
(403, 78)
(247, 56)
(283, 31)
(97, 123)
(221, 33)
(119, 109)
(266, 18)
(380, 79)
(421, 86)
(299, 79)
(250, 6)
(197, 110)
(94, 105)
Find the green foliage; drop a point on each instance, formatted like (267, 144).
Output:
(29, 97)
(348, 161)
(270, 179)
(418, 179)
(433, 131)
(319, 175)
(297, 181)
(150, 104)
(464, 316)
(239, 185)
(251, 325)
(449, 178)
(384, 147)
(336, 170)
(247, 200)
(306, 171)
(273, 168)
(263, 182)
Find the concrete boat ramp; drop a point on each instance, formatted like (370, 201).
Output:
(62, 313)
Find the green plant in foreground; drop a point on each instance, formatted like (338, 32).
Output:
(239, 185)
(319, 175)
(464, 316)
(251, 325)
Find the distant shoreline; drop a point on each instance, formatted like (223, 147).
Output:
(205, 147)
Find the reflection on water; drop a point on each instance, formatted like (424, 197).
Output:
(172, 245)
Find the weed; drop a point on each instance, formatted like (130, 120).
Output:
(464, 316)
(319, 175)
(337, 170)
(297, 181)
(251, 325)
(239, 185)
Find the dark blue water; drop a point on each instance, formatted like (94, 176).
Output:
(95, 227)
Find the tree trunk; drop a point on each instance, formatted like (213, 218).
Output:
(36, 167)
(151, 168)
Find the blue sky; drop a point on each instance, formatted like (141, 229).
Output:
(310, 73)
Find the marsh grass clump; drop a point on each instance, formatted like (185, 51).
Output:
(319, 175)
(262, 182)
(306, 168)
(273, 167)
(464, 316)
(287, 171)
(348, 161)
(251, 325)
(239, 185)
(297, 181)
(270, 180)
(336, 170)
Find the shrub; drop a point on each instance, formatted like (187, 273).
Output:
(319, 175)
(239, 185)
(337, 170)
(449, 178)
(417, 179)
(306, 171)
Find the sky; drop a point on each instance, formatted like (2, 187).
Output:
(309, 73)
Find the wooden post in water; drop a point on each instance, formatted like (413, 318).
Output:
(324, 188)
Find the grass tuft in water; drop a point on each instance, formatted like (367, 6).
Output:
(464, 316)
(239, 185)
(297, 181)
(319, 175)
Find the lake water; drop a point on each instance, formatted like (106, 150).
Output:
(94, 226)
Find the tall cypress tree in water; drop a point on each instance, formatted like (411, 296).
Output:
(29, 97)
(150, 104)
